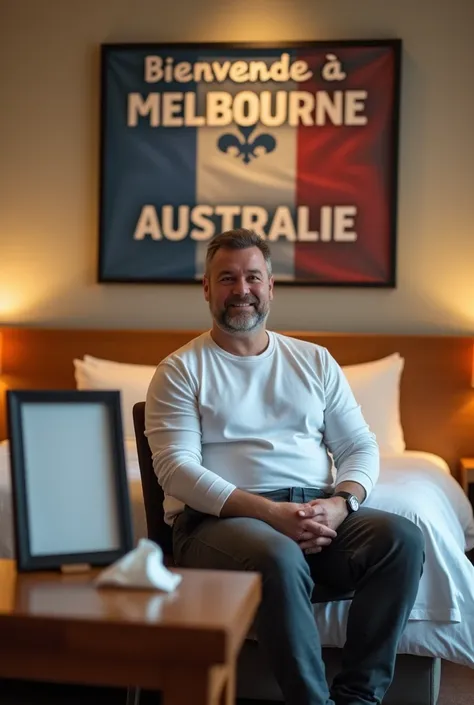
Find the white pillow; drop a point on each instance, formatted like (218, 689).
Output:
(376, 387)
(132, 381)
(123, 366)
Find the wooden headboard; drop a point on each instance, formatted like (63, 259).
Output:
(437, 400)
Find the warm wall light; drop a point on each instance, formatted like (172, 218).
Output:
(0, 352)
(472, 380)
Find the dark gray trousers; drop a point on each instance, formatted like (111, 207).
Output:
(376, 554)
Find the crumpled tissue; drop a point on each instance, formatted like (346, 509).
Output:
(141, 568)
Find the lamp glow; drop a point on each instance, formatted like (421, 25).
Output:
(472, 380)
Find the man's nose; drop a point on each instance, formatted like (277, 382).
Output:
(241, 287)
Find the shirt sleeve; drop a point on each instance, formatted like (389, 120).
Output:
(173, 429)
(346, 434)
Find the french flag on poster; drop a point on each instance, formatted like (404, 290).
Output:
(307, 162)
(253, 167)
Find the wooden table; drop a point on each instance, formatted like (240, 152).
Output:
(62, 628)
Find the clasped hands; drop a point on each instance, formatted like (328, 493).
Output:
(313, 525)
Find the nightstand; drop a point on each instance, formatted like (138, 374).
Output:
(467, 482)
(467, 473)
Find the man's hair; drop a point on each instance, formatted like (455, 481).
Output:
(238, 239)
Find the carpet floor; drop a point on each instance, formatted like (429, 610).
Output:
(457, 688)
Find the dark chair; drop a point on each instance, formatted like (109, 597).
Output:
(153, 496)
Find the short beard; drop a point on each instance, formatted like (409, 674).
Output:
(243, 322)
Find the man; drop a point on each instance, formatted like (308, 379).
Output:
(240, 422)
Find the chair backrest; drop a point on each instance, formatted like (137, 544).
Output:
(158, 530)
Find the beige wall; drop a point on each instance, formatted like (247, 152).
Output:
(49, 97)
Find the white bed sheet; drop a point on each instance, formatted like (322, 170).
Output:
(416, 485)
(419, 486)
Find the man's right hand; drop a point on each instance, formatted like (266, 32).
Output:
(300, 521)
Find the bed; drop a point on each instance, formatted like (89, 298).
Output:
(418, 479)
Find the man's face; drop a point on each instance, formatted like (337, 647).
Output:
(238, 289)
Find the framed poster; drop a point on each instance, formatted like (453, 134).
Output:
(298, 142)
(69, 484)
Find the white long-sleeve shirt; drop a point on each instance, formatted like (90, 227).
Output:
(217, 421)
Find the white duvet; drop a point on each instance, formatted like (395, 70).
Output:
(419, 486)
(416, 485)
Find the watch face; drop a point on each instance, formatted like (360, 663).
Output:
(353, 503)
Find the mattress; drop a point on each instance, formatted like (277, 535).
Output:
(414, 484)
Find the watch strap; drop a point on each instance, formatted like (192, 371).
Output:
(349, 498)
(341, 493)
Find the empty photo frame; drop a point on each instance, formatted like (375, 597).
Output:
(70, 498)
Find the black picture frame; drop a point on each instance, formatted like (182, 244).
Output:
(132, 175)
(67, 454)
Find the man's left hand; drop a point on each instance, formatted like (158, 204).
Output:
(330, 512)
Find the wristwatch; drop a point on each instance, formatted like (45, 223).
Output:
(352, 502)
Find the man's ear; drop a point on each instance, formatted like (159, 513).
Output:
(205, 286)
(271, 284)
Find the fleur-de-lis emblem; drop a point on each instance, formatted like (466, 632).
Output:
(246, 148)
